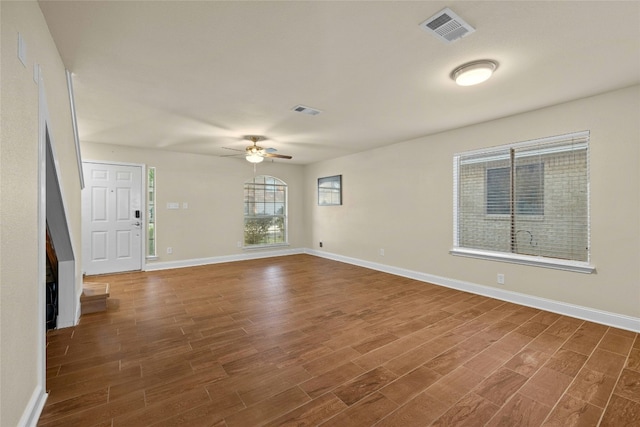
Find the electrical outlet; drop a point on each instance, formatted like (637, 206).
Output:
(500, 279)
(169, 250)
(239, 244)
(381, 252)
(320, 244)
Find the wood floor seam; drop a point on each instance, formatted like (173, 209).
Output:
(303, 340)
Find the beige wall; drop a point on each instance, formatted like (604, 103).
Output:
(402, 202)
(20, 332)
(212, 186)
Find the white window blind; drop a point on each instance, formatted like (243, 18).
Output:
(526, 202)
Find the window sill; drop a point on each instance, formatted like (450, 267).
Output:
(272, 245)
(558, 264)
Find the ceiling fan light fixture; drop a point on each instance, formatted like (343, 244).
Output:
(473, 73)
(254, 158)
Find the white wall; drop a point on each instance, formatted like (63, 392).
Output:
(212, 187)
(401, 200)
(21, 335)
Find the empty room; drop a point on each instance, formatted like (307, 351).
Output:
(305, 213)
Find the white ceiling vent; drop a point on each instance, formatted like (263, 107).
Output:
(306, 110)
(447, 26)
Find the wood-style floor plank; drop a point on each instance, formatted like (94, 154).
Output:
(305, 341)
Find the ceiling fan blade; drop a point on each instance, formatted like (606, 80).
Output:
(234, 149)
(277, 156)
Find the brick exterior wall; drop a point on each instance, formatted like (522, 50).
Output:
(562, 232)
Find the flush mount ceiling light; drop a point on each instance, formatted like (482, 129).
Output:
(474, 72)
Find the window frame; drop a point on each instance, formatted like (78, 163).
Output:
(332, 190)
(250, 205)
(520, 193)
(518, 258)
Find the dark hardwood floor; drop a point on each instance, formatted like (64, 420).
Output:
(304, 341)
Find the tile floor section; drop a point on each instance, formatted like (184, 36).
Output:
(305, 341)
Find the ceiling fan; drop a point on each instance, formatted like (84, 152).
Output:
(255, 153)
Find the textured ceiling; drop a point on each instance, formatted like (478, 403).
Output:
(198, 76)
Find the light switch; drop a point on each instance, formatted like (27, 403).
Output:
(173, 205)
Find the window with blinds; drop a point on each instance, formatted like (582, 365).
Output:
(265, 212)
(526, 202)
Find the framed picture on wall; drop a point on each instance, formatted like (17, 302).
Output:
(330, 190)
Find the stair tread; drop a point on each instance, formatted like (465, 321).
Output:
(92, 290)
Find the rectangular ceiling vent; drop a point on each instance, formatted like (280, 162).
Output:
(447, 26)
(306, 110)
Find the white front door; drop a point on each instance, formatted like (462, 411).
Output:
(112, 218)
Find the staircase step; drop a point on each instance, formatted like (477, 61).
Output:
(94, 297)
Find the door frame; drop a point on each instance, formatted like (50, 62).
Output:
(39, 396)
(143, 208)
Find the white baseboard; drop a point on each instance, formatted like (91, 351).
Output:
(78, 310)
(65, 323)
(253, 254)
(69, 322)
(34, 408)
(585, 313)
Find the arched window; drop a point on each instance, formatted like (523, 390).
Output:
(265, 212)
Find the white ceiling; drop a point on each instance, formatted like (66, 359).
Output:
(198, 76)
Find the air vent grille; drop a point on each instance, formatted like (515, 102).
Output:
(447, 26)
(306, 110)
(439, 21)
